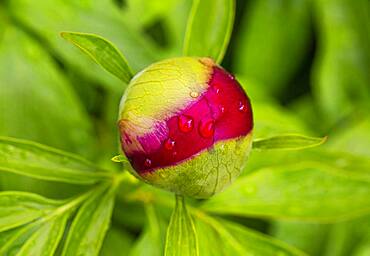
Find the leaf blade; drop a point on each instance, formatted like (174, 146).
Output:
(117, 242)
(306, 192)
(42, 117)
(287, 142)
(152, 239)
(18, 208)
(221, 237)
(102, 52)
(42, 162)
(181, 234)
(211, 41)
(91, 224)
(12, 240)
(44, 241)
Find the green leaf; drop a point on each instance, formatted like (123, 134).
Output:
(364, 250)
(209, 28)
(100, 17)
(120, 159)
(42, 162)
(18, 208)
(144, 246)
(222, 238)
(306, 191)
(39, 104)
(144, 13)
(13, 240)
(102, 52)
(308, 237)
(43, 234)
(318, 157)
(181, 233)
(117, 242)
(272, 42)
(150, 242)
(287, 142)
(45, 240)
(271, 118)
(91, 223)
(355, 138)
(37, 238)
(344, 238)
(340, 74)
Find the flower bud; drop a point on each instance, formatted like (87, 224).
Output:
(186, 126)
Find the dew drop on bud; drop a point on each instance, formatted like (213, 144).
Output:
(148, 162)
(222, 109)
(232, 77)
(194, 94)
(169, 144)
(207, 128)
(186, 123)
(242, 107)
(217, 89)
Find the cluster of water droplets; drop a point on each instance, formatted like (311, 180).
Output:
(206, 126)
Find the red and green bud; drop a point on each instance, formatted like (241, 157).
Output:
(186, 126)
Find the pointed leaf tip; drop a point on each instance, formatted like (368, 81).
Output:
(102, 52)
(288, 142)
(119, 159)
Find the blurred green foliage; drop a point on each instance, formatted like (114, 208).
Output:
(304, 63)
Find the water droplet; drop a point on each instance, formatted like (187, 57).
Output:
(148, 162)
(186, 123)
(169, 144)
(207, 128)
(222, 109)
(174, 154)
(231, 76)
(194, 94)
(217, 88)
(243, 107)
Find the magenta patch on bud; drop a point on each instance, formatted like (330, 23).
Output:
(154, 140)
(222, 112)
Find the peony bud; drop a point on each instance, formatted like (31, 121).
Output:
(186, 126)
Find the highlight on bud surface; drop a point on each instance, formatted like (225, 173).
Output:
(186, 126)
